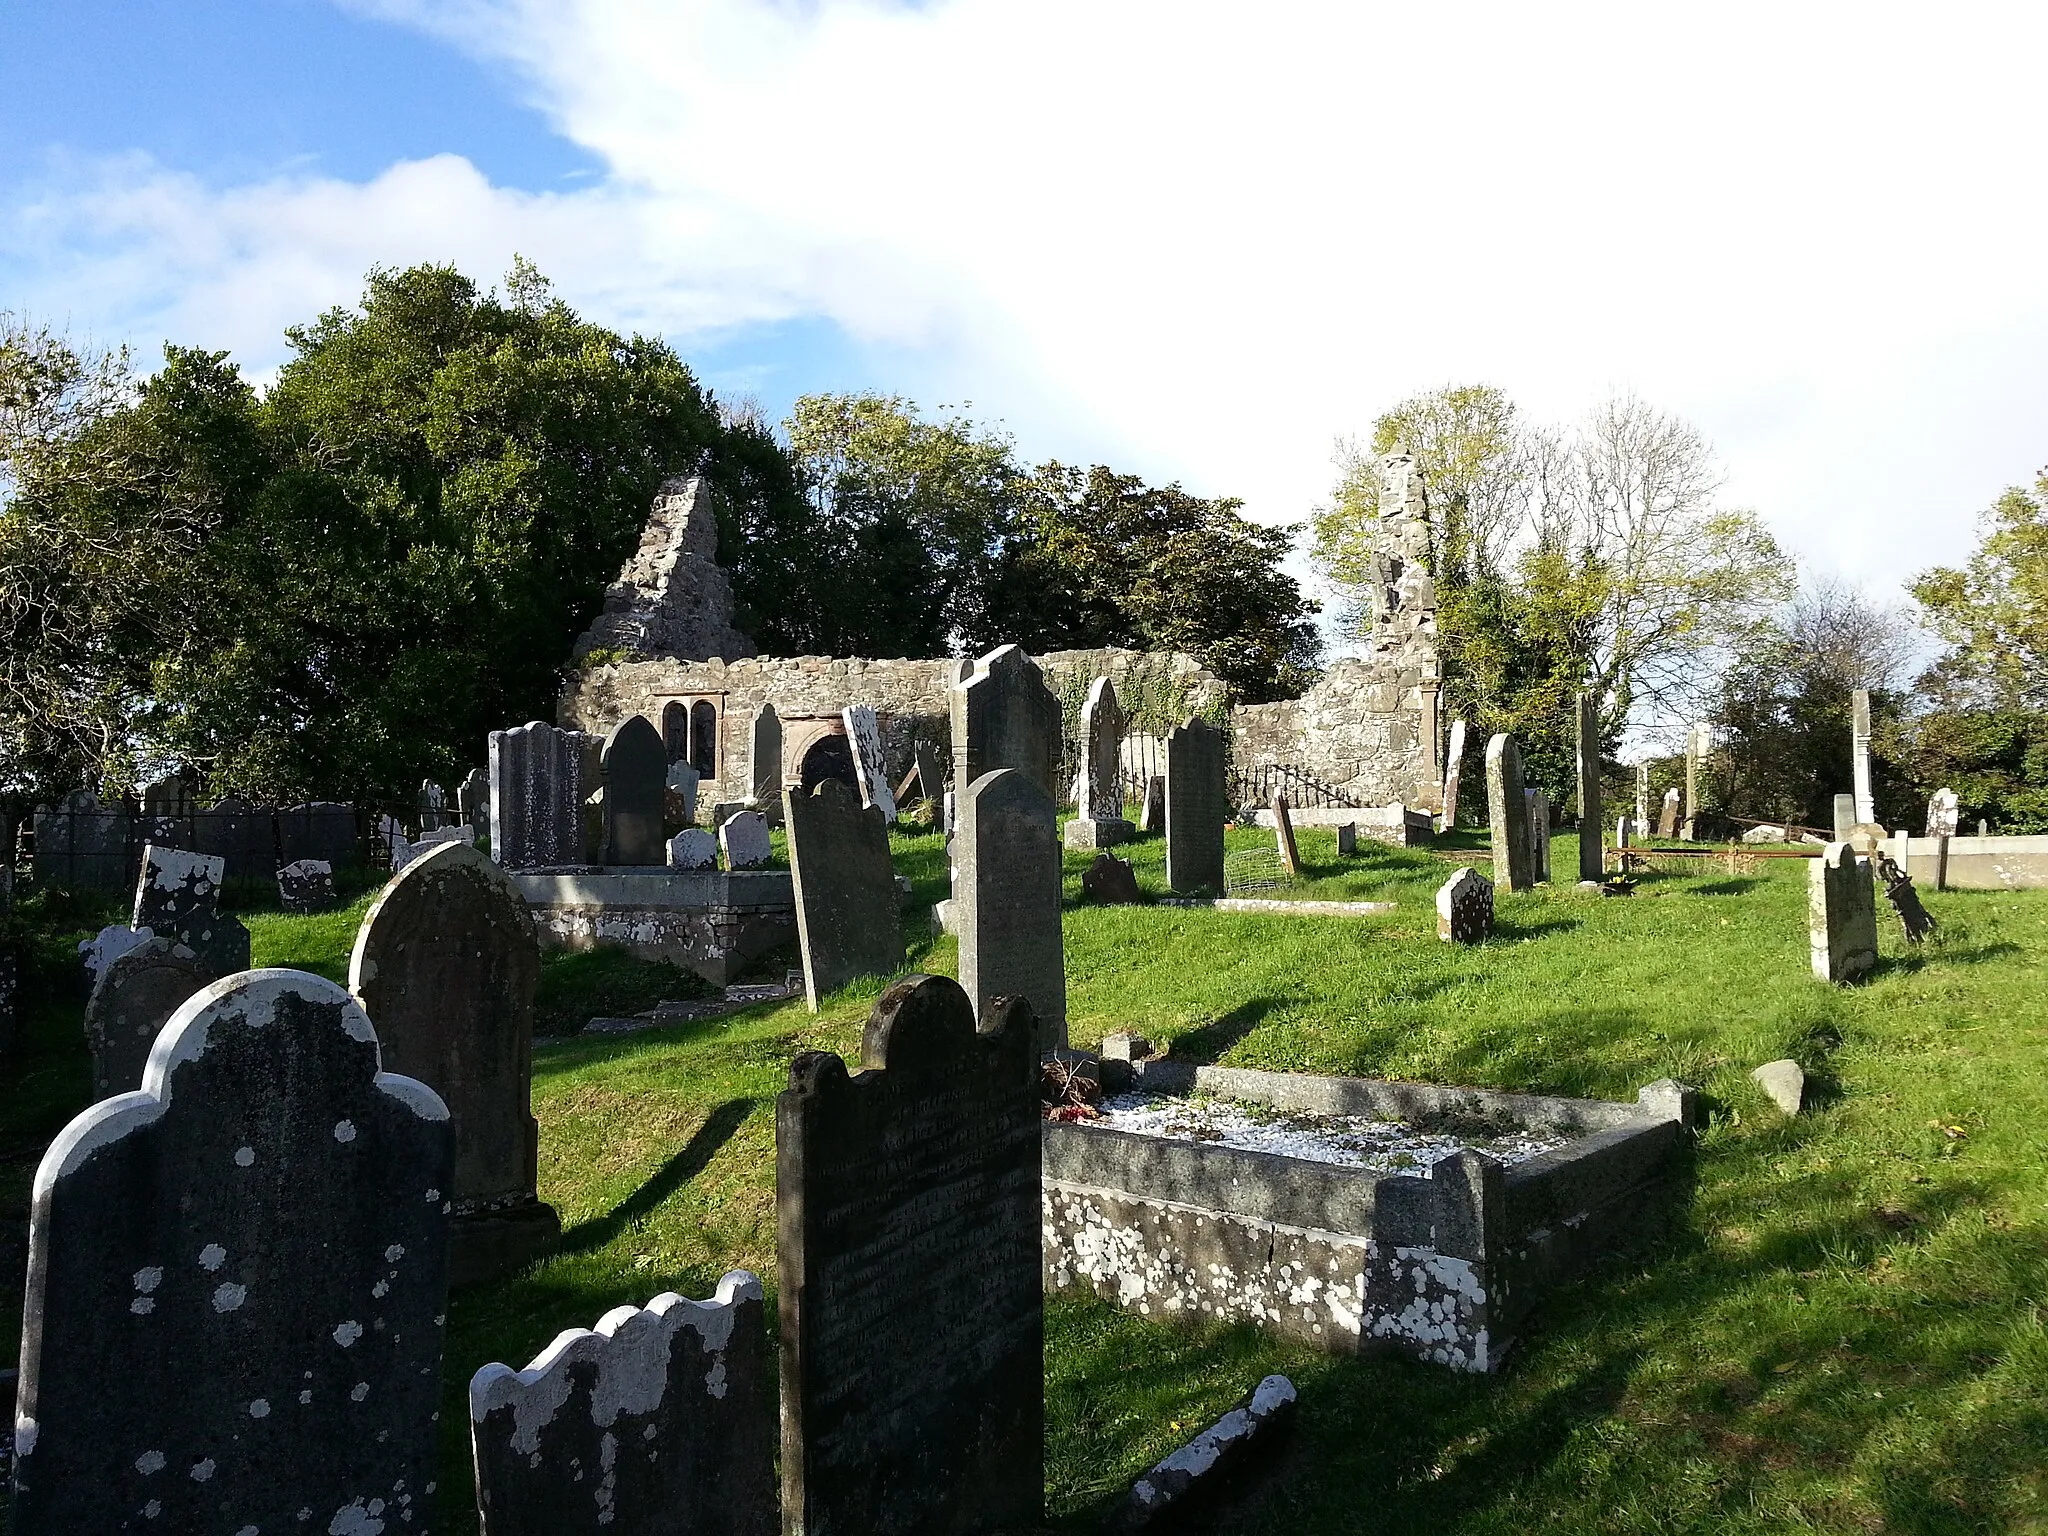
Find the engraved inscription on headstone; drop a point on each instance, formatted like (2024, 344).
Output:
(1007, 901)
(1003, 716)
(912, 1305)
(237, 1283)
(848, 917)
(693, 848)
(540, 778)
(1196, 808)
(446, 966)
(657, 1423)
(1098, 787)
(1507, 805)
(177, 896)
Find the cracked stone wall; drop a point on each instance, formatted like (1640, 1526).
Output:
(671, 597)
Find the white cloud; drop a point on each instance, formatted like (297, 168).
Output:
(1202, 240)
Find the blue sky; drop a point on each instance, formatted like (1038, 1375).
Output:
(1194, 241)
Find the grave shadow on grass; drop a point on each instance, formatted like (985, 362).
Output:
(1516, 926)
(1740, 885)
(694, 1157)
(1206, 1044)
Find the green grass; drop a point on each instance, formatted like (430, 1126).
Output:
(1841, 1331)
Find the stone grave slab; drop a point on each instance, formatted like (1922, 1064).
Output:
(131, 1002)
(1944, 813)
(1347, 839)
(540, 777)
(1539, 836)
(658, 1423)
(682, 792)
(1464, 908)
(931, 776)
(176, 892)
(1098, 820)
(306, 886)
(693, 848)
(1196, 807)
(446, 966)
(912, 1311)
(1507, 805)
(847, 917)
(635, 767)
(433, 806)
(744, 838)
(237, 1283)
(1454, 769)
(1006, 895)
(870, 771)
(1841, 914)
(1845, 817)
(473, 798)
(1667, 817)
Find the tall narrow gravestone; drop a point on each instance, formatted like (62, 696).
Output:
(1007, 906)
(1845, 817)
(656, 1424)
(1099, 804)
(1667, 817)
(1004, 716)
(1507, 804)
(132, 1000)
(1642, 794)
(1539, 836)
(1195, 808)
(1841, 914)
(848, 920)
(1699, 741)
(635, 768)
(1592, 810)
(1283, 836)
(540, 778)
(1859, 754)
(1454, 768)
(907, 1201)
(864, 732)
(446, 965)
(177, 897)
(237, 1282)
(764, 759)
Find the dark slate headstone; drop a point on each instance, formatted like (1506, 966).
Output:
(1004, 716)
(540, 778)
(931, 778)
(848, 920)
(1592, 812)
(1464, 908)
(177, 896)
(473, 799)
(657, 1424)
(1196, 807)
(764, 756)
(635, 794)
(132, 1000)
(907, 1200)
(1507, 804)
(1006, 900)
(446, 966)
(237, 1282)
(306, 886)
(1110, 881)
(1152, 816)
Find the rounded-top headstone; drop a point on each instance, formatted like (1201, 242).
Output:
(131, 1002)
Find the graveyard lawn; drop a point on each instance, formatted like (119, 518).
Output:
(1841, 1329)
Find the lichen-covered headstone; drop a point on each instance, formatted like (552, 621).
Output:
(306, 885)
(693, 848)
(848, 917)
(764, 756)
(1098, 820)
(132, 999)
(177, 896)
(433, 806)
(1196, 808)
(912, 1306)
(1944, 813)
(635, 765)
(1283, 837)
(1507, 804)
(237, 1284)
(1464, 908)
(109, 945)
(1003, 716)
(864, 732)
(446, 966)
(1841, 914)
(743, 836)
(1454, 772)
(658, 1423)
(474, 800)
(404, 854)
(1667, 817)
(1007, 901)
(540, 777)
(683, 780)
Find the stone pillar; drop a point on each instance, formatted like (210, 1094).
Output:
(1592, 809)
(1454, 764)
(1845, 817)
(1642, 794)
(1698, 742)
(1508, 815)
(1859, 755)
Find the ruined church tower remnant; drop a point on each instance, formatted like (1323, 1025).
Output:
(672, 601)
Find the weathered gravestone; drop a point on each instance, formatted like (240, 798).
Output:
(306, 886)
(744, 837)
(1845, 817)
(132, 1000)
(683, 780)
(1507, 803)
(1624, 833)
(1110, 881)
(1152, 815)
(109, 945)
(1539, 836)
(177, 896)
(635, 765)
(1196, 807)
(237, 1283)
(1347, 839)
(1283, 836)
(912, 1308)
(473, 799)
(657, 1424)
(433, 806)
(1642, 795)
(848, 921)
(446, 965)
(1004, 716)
(1592, 809)
(1454, 770)
(764, 758)
(1859, 754)
(929, 775)
(1464, 908)
(404, 854)
(870, 771)
(1667, 817)
(1699, 741)
(1007, 901)
(1841, 914)
(540, 778)
(1098, 820)
(1944, 813)
(693, 848)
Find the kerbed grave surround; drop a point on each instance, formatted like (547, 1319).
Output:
(1442, 1268)
(712, 921)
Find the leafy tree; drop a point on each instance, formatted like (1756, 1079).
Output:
(1993, 613)
(1996, 760)
(1102, 559)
